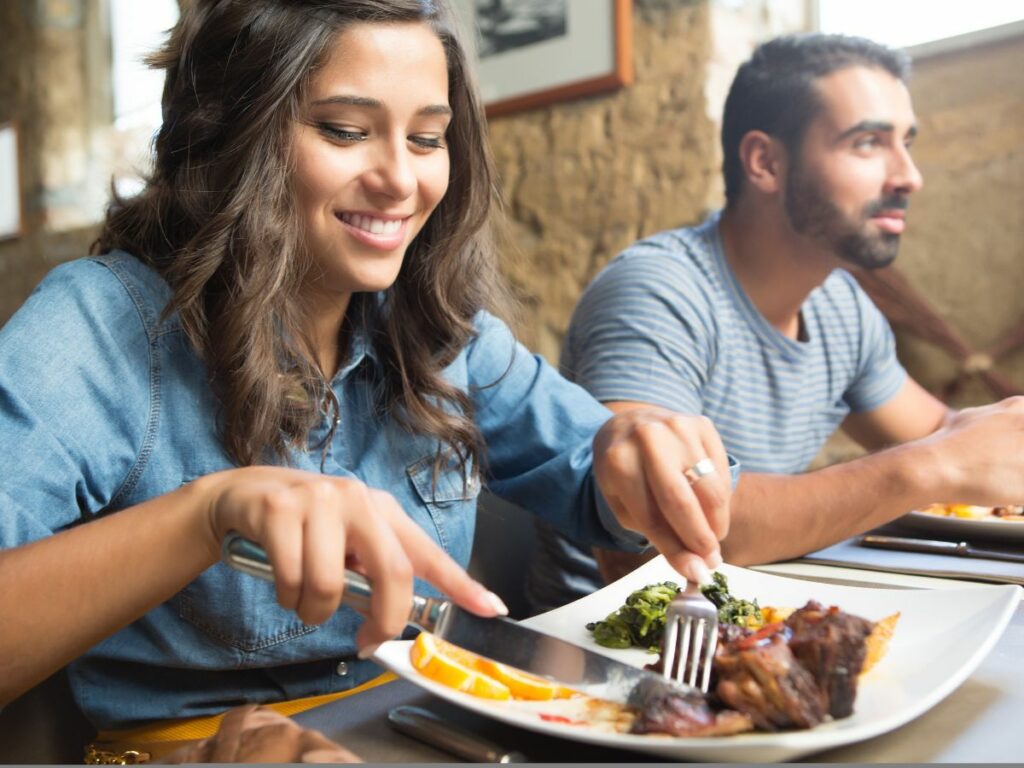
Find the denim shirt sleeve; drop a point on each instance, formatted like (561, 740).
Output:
(74, 394)
(539, 430)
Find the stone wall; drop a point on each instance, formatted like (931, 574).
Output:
(964, 247)
(45, 86)
(584, 179)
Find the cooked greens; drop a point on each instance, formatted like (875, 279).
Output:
(731, 610)
(640, 622)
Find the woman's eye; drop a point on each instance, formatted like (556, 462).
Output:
(428, 141)
(344, 135)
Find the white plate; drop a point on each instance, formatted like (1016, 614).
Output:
(992, 528)
(941, 637)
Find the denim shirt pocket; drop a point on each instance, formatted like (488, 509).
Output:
(450, 502)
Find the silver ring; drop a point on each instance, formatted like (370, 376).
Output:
(700, 470)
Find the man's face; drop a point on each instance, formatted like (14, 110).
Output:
(848, 184)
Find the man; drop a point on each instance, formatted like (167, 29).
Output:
(749, 320)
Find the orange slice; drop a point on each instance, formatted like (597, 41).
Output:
(524, 685)
(452, 666)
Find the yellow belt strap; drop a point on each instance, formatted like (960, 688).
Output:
(201, 727)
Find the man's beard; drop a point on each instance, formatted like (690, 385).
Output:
(813, 215)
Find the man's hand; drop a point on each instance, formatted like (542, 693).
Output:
(978, 456)
(641, 456)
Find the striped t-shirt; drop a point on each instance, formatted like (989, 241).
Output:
(666, 322)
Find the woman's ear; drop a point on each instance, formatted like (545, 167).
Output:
(763, 161)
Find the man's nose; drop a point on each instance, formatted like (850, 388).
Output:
(904, 177)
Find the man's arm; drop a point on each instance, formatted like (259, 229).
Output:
(976, 456)
(912, 413)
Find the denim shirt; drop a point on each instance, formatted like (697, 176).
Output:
(104, 404)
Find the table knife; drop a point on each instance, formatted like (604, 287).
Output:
(438, 732)
(500, 639)
(957, 548)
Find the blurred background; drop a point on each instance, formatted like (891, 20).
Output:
(583, 178)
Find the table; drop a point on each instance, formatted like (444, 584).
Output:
(979, 722)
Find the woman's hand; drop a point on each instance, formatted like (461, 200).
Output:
(314, 526)
(641, 459)
(253, 734)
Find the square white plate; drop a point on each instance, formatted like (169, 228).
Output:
(941, 637)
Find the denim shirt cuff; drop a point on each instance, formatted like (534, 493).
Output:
(631, 540)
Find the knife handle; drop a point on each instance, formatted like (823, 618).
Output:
(249, 557)
(914, 545)
(437, 732)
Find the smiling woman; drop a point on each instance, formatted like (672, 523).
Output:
(290, 333)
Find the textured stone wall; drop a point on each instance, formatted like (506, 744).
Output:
(964, 247)
(44, 71)
(584, 179)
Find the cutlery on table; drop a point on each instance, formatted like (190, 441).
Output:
(438, 732)
(500, 639)
(935, 547)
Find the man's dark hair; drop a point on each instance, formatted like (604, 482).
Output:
(774, 91)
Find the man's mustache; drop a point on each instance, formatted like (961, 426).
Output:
(890, 203)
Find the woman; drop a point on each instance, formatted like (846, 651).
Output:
(286, 334)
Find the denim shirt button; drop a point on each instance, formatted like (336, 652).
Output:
(342, 668)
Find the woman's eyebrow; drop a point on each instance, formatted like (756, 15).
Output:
(365, 101)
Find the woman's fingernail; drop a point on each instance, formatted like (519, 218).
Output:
(714, 560)
(699, 573)
(367, 651)
(496, 603)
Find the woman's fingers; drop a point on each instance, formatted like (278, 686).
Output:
(642, 459)
(666, 452)
(434, 565)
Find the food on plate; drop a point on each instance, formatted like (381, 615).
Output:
(1011, 512)
(774, 667)
(640, 622)
(465, 671)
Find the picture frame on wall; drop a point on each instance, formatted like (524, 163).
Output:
(10, 183)
(532, 53)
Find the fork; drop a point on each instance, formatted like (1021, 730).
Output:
(691, 635)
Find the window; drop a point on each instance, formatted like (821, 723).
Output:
(136, 30)
(922, 24)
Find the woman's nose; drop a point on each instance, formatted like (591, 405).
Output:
(393, 174)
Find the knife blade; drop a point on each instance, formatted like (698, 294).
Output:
(500, 639)
(936, 547)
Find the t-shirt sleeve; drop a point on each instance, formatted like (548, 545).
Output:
(643, 331)
(74, 399)
(879, 373)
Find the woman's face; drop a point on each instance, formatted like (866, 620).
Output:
(371, 161)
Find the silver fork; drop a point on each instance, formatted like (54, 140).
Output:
(691, 634)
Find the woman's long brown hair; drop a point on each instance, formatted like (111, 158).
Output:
(217, 220)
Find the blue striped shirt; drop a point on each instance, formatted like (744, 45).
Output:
(666, 322)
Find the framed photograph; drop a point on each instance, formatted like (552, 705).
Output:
(535, 52)
(10, 184)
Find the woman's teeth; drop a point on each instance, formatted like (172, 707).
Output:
(372, 225)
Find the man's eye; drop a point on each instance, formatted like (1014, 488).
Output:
(344, 135)
(867, 142)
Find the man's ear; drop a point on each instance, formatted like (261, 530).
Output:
(763, 161)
